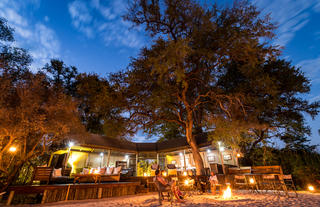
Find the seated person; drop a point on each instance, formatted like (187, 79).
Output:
(213, 182)
(164, 185)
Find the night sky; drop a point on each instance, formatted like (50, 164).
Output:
(91, 35)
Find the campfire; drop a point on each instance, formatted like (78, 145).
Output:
(227, 194)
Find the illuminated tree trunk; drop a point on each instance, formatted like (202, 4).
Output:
(194, 149)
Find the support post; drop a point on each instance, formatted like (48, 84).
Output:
(44, 197)
(158, 159)
(108, 158)
(99, 193)
(68, 190)
(184, 160)
(137, 156)
(10, 197)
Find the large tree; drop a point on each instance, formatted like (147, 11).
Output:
(176, 80)
(34, 112)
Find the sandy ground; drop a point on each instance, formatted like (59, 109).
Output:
(239, 199)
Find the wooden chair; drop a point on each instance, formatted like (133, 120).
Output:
(42, 174)
(162, 189)
(252, 184)
(288, 181)
(240, 182)
(172, 170)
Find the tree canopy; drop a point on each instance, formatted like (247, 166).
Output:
(210, 69)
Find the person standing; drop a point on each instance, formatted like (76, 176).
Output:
(213, 182)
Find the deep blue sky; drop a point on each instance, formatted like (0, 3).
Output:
(91, 35)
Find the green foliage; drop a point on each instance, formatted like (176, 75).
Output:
(144, 167)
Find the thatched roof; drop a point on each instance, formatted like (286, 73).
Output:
(120, 144)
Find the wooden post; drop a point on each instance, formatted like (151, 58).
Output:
(68, 190)
(184, 160)
(108, 158)
(99, 193)
(158, 159)
(137, 163)
(10, 197)
(44, 197)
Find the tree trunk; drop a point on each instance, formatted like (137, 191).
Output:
(11, 177)
(195, 151)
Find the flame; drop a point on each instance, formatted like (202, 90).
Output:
(227, 193)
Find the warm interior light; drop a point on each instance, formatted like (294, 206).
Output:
(185, 173)
(164, 174)
(221, 149)
(186, 182)
(251, 180)
(227, 193)
(208, 151)
(96, 171)
(71, 144)
(12, 149)
(145, 174)
(311, 188)
(238, 155)
(101, 154)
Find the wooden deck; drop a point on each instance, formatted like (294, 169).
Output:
(62, 192)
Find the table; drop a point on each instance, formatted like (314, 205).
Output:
(94, 176)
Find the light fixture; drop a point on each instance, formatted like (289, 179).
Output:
(12, 149)
(164, 173)
(221, 149)
(208, 151)
(145, 174)
(219, 143)
(126, 157)
(180, 154)
(71, 144)
(238, 155)
(186, 182)
(185, 173)
(311, 188)
(251, 181)
(101, 154)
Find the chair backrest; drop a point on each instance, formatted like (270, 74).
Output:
(171, 166)
(287, 177)
(66, 171)
(268, 177)
(42, 173)
(267, 169)
(234, 171)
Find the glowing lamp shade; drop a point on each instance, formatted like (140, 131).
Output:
(186, 182)
(251, 181)
(311, 188)
(185, 173)
(12, 149)
(164, 174)
(221, 149)
(145, 174)
(101, 154)
(208, 151)
(238, 155)
(71, 144)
